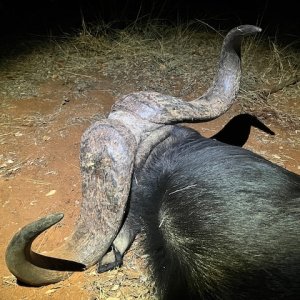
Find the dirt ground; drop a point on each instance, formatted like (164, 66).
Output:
(39, 169)
(40, 175)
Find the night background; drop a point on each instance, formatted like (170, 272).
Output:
(280, 19)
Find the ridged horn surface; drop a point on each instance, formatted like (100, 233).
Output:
(107, 156)
(164, 109)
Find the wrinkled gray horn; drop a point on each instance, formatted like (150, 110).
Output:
(107, 155)
(165, 109)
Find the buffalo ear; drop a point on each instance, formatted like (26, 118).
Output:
(236, 131)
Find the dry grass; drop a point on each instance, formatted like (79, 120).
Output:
(178, 60)
(270, 82)
(132, 281)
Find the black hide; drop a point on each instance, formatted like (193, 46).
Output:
(221, 222)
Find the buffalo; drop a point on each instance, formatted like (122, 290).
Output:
(221, 222)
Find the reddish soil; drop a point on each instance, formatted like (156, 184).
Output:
(39, 164)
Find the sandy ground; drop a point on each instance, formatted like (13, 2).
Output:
(39, 164)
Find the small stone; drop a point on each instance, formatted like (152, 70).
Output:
(51, 193)
(46, 138)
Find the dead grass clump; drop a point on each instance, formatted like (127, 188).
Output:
(270, 82)
(132, 281)
(174, 59)
(161, 58)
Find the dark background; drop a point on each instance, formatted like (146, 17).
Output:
(56, 17)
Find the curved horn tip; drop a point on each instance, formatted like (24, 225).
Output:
(30, 232)
(34, 271)
(36, 227)
(52, 219)
(247, 29)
